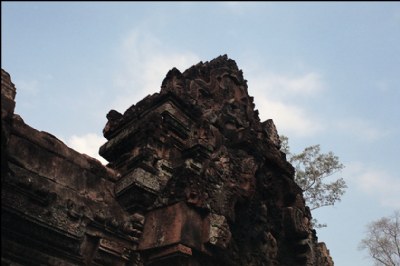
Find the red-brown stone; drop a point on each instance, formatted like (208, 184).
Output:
(194, 178)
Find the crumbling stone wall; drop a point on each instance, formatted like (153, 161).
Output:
(57, 205)
(194, 178)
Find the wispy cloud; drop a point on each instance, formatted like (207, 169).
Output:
(280, 84)
(32, 87)
(276, 95)
(396, 16)
(242, 7)
(144, 63)
(376, 183)
(289, 119)
(382, 86)
(28, 87)
(360, 128)
(88, 144)
(234, 7)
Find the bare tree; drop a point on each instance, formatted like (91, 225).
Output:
(312, 169)
(383, 240)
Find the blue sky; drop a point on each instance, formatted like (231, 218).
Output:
(326, 72)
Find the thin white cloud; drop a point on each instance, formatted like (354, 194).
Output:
(302, 85)
(32, 87)
(144, 63)
(396, 16)
(382, 86)
(241, 7)
(376, 183)
(290, 119)
(88, 144)
(275, 97)
(234, 7)
(360, 129)
(28, 87)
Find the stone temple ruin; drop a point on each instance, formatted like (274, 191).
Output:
(194, 178)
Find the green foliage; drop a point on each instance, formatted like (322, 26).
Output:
(383, 240)
(312, 171)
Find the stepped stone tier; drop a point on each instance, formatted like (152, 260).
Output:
(194, 178)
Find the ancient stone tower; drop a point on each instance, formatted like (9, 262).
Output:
(194, 178)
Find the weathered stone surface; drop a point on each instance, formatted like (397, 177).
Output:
(58, 206)
(219, 233)
(8, 92)
(194, 178)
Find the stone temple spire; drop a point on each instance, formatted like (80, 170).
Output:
(208, 175)
(194, 178)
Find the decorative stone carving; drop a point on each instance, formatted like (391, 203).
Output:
(194, 178)
(219, 234)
